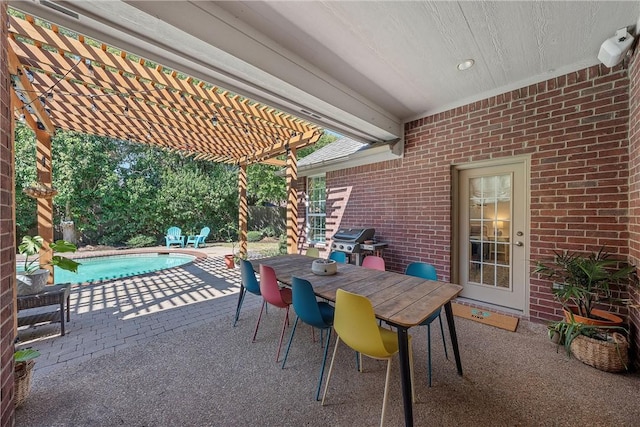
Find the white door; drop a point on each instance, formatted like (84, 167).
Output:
(492, 232)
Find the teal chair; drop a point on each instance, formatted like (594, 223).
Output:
(250, 284)
(428, 272)
(174, 237)
(314, 313)
(338, 257)
(198, 239)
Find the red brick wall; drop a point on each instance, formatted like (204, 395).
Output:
(634, 198)
(573, 127)
(7, 247)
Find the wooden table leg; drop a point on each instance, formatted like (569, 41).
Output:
(405, 374)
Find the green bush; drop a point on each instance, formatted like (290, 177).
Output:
(254, 236)
(269, 231)
(282, 246)
(141, 241)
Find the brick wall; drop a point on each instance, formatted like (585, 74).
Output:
(573, 127)
(634, 198)
(7, 247)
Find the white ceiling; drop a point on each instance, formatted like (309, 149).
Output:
(358, 68)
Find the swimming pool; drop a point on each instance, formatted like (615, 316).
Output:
(117, 266)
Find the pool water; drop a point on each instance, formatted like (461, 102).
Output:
(118, 266)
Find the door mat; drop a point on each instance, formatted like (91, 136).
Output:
(484, 316)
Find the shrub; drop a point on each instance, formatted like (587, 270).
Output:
(269, 231)
(141, 241)
(254, 236)
(282, 246)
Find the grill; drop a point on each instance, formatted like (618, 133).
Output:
(349, 240)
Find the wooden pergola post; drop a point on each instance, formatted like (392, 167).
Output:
(43, 128)
(243, 210)
(45, 205)
(292, 201)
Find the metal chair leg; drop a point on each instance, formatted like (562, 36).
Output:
(333, 358)
(293, 331)
(255, 333)
(241, 295)
(324, 362)
(284, 326)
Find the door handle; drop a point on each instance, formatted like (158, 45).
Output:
(518, 243)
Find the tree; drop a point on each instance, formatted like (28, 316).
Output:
(114, 190)
(25, 166)
(266, 186)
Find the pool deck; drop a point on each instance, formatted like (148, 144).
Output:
(113, 315)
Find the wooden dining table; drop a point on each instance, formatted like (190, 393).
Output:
(401, 301)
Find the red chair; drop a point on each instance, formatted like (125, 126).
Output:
(274, 295)
(374, 262)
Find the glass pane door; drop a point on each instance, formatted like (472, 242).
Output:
(489, 230)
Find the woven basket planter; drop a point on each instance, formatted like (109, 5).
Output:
(22, 381)
(608, 356)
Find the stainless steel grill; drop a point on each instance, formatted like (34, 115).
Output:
(349, 240)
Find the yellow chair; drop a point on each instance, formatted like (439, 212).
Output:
(313, 252)
(355, 323)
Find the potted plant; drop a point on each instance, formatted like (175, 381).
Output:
(231, 232)
(22, 368)
(604, 347)
(33, 278)
(582, 282)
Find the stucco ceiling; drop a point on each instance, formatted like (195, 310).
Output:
(359, 68)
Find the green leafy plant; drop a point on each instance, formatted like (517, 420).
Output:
(31, 246)
(269, 231)
(584, 280)
(254, 236)
(141, 241)
(24, 355)
(282, 244)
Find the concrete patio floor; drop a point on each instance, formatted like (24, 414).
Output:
(159, 350)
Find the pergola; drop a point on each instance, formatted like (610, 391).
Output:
(63, 80)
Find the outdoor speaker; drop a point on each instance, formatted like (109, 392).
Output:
(612, 51)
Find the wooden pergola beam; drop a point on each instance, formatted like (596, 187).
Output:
(22, 84)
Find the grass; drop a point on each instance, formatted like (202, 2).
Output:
(264, 247)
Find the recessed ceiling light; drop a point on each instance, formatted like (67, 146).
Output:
(466, 64)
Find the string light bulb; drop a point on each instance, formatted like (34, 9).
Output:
(22, 118)
(125, 110)
(50, 96)
(29, 75)
(89, 67)
(214, 120)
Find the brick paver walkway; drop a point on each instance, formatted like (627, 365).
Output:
(117, 314)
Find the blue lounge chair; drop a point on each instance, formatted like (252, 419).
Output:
(174, 237)
(199, 238)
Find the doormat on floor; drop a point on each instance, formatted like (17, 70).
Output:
(484, 316)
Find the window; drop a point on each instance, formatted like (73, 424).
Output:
(316, 213)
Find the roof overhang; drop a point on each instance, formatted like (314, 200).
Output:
(368, 154)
